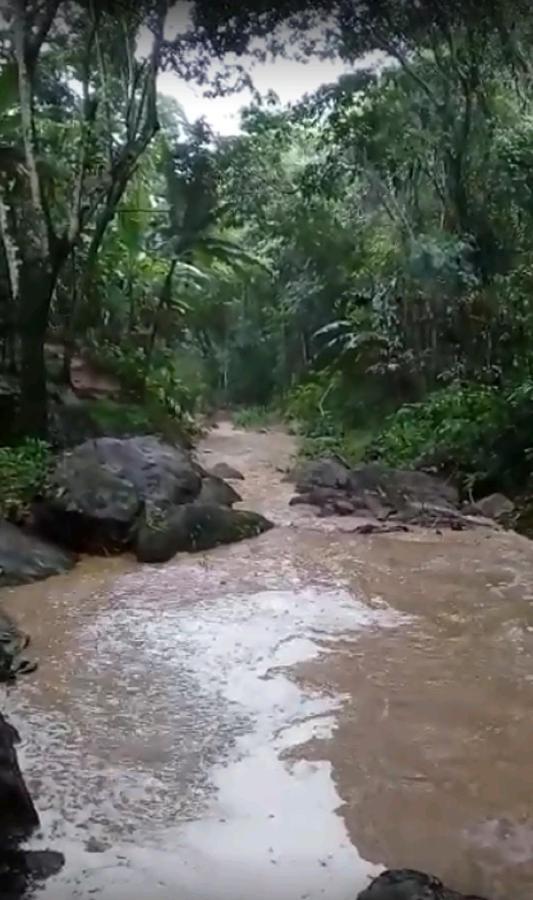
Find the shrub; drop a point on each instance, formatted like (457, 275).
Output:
(254, 417)
(23, 471)
(480, 435)
(350, 446)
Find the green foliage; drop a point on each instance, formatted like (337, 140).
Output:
(364, 253)
(255, 417)
(350, 446)
(24, 469)
(478, 434)
(162, 384)
(453, 420)
(117, 419)
(325, 417)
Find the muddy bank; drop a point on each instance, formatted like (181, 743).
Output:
(282, 717)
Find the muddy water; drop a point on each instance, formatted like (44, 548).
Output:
(280, 718)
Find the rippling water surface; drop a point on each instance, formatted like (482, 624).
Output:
(283, 717)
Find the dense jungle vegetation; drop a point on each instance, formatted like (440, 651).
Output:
(360, 263)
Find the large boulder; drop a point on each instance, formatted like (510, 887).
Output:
(25, 558)
(18, 816)
(376, 490)
(408, 884)
(20, 870)
(371, 486)
(224, 470)
(494, 506)
(98, 491)
(193, 527)
(398, 487)
(322, 473)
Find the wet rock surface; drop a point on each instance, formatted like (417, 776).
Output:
(23, 871)
(193, 527)
(97, 491)
(215, 490)
(494, 506)
(111, 494)
(380, 493)
(19, 869)
(25, 557)
(408, 884)
(224, 470)
(12, 642)
(322, 473)
(18, 816)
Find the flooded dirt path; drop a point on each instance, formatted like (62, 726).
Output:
(282, 717)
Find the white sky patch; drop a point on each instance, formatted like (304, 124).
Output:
(290, 80)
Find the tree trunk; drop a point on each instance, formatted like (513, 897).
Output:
(69, 335)
(33, 400)
(131, 302)
(164, 298)
(35, 293)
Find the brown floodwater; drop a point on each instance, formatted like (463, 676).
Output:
(283, 717)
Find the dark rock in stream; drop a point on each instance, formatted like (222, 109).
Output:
(215, 490)
(321, 473)
(12, 642)
(109, 494)
(408, 884)
(194, 527)
(224, 470)
(494, 506)
(19, 869)
(23, 870)
(18, 816)
(379, 492)
(98, 491)
(25, 557)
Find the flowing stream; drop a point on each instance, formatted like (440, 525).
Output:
(282, 718)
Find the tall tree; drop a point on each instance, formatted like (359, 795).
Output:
(39, 229)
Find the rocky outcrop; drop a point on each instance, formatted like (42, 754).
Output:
(19, 869)
(25, 557)
(380, 493)
(193, 527)
(408, 884)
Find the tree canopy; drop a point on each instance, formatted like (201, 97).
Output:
(364, 248)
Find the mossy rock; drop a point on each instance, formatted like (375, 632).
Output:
(194, 527)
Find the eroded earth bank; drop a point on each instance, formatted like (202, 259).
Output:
(280, 718)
